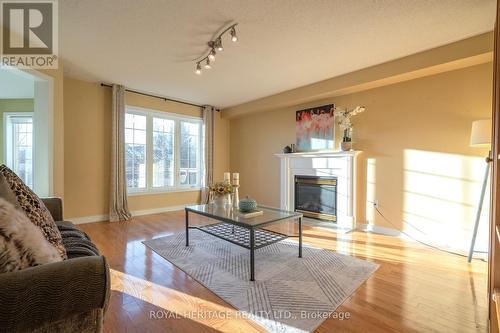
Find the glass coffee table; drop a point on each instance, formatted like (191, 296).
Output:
(245, 232)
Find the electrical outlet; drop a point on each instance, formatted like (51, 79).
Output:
(375, 203)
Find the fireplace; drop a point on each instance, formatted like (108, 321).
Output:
(316, 197)
(335, 165)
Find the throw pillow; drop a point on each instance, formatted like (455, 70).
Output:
(22, 244)
(6, 193)
(34, 209)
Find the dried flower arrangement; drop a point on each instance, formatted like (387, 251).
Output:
(221, 188)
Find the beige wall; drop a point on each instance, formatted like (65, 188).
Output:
(17, 105)
(87, 138)
(416, 162)
(87, 125)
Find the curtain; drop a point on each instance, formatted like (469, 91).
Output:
(208, 156)
(118, 206)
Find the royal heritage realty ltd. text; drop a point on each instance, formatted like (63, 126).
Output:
(162, 314)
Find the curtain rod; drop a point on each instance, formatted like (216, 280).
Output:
(156, 96)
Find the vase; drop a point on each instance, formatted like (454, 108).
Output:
(221, 200)
(247, 204)
(346, 145)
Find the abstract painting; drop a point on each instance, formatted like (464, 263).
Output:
(315, 128)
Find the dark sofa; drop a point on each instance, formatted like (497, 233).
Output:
(67, 296)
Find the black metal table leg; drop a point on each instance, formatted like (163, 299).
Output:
(187, 227)
(252, 255)
(300, 237)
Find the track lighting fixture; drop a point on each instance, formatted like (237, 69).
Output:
(215, 44)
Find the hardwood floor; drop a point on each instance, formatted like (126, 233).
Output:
(416, 289)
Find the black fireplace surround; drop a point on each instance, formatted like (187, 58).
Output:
(316, 197)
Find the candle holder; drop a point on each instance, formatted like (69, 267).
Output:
(236, 196)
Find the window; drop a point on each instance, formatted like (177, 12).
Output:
(135, 150)
(190, 147)
(18, 147)
(162, 151)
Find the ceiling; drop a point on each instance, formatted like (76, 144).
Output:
(283, 44)
(16, 84)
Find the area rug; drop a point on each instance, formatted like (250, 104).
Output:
(289, 294)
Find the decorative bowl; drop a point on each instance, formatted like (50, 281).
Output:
(247, 204)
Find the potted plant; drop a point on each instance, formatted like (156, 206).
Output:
(344, 121)
(220, 193)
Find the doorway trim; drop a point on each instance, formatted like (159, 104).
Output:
(43, 123)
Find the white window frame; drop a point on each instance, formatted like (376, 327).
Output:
(177, 118)
(8, 140)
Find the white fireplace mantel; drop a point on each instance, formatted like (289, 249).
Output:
(340, 164)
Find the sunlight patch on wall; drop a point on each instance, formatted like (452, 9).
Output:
(440, 197)
(371, 178)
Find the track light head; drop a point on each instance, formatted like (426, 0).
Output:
(234, 38)
(218, 44)
(207, 64)
(211, 56)
(198, 69)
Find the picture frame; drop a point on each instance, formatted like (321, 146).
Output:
(315, 128)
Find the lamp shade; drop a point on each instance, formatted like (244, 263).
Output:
(480, 135)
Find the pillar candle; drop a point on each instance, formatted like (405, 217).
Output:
(227, 176)
(236, 175)
(236, 182)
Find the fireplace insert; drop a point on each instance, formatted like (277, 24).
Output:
(316, 197)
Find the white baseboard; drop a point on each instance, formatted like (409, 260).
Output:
(101, 218)
(159, 210)
(377, 229)
(88, 219)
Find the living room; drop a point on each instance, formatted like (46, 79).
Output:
(285, 166)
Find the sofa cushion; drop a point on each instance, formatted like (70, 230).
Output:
(64, 225)
(77, 234)
(78, 244)
(69, 226)
(80, 248)
(76, 241)
(22, 244)
(34, 209)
